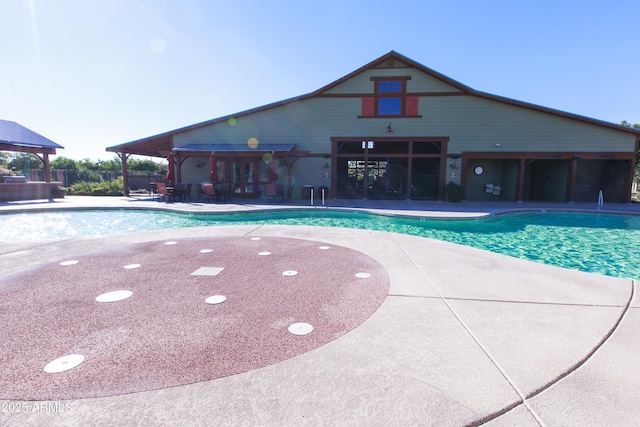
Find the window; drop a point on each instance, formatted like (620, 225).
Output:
(390, 99)
(389, 94)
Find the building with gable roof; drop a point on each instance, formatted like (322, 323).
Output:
(395, 129)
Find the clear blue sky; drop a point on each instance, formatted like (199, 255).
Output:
(94, 73)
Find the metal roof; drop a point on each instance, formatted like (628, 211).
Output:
(16, 135)
(234, 148)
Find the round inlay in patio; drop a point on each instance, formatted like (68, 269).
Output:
(114, 296)
(166, 336)
(64, 363)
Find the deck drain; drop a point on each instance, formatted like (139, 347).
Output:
(300, 328)
(289, 273)
(216, 299)
(206, 251)
(132, 266)
(363, 275)
(70, 262)
(114, 296)
(264, 253)
(64, 363)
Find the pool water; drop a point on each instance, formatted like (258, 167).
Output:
(598, 243)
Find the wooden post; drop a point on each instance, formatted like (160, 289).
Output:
(47, 168)
(125, 180)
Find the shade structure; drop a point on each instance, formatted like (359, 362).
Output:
(213, 176)
(171, 172)
(273, 174)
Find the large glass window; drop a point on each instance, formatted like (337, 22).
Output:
(389, 106)
(390, 97)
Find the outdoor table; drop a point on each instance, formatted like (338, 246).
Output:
(171, 191)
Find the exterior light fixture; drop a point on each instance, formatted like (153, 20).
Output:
(389, 130)
(325, 170)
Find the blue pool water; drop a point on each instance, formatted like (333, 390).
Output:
(599, 243)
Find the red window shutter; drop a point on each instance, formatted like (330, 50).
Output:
(368, 106)
(412, 106)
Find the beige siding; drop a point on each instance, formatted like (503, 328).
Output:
(477, 124)
(471, 122)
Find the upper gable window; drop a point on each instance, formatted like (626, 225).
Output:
(390, 99)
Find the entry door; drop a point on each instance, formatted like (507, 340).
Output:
(244, 177)
(387, 179)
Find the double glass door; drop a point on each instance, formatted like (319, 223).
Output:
(246, 174)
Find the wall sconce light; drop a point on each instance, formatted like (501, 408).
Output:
(325, 170)
(389, 130)
(200, 164)
(498, 144)
(454, 165)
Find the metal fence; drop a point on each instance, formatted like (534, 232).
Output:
(69, 177)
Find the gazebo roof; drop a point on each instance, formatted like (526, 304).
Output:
(15, 137)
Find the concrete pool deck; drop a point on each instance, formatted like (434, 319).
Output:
(463, 337)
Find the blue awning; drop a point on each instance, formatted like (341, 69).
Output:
(234, 148)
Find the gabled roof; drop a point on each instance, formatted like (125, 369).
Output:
(15, 137)
(160, 145)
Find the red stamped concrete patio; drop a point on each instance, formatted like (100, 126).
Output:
(165, 334)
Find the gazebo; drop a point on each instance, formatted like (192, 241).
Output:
(17, 138)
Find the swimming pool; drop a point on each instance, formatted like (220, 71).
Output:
(599, 243)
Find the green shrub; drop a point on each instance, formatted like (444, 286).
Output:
(104, 188)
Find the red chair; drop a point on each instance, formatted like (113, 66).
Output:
(162, 190)
(209, 192)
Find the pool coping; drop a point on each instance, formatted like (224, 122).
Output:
(404, 208)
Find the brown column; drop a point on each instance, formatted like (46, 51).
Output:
(520, 187)
(125, 180)
(573, 174)
(47, 167)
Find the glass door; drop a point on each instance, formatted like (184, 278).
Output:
(243, 177)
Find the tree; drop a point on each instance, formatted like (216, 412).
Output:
(145, 166)
(23, 163)
(629, 125)
(64, 163)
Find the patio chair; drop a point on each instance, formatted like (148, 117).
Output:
(223, 192)
(162, 191)
(280, 191)
(179, 192)
(153, 189)
(209, 192)
(201, 195)
(187, 193)
(271, 193)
